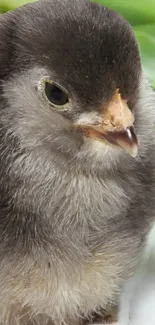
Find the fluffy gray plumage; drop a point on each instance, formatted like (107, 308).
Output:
(74, 212)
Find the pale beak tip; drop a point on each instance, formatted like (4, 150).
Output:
(132, 148)
(133, 151)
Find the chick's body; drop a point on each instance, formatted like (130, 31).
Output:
(74, 211)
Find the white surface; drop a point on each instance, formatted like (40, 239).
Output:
(143, 302)
(138, 299)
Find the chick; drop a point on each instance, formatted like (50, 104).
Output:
(77, 152)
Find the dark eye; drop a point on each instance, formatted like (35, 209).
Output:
(55, 94)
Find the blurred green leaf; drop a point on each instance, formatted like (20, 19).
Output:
(137, 12)
(147, 49)
(6, 5)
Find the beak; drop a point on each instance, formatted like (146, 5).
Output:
(115, 126)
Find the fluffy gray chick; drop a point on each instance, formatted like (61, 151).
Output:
(77, 152)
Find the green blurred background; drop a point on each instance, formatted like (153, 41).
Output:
(140, 14)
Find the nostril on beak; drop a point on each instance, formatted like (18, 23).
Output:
(113, 123)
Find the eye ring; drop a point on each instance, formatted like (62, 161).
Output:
(55, 94)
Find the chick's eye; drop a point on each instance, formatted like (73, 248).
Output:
(55, 94)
